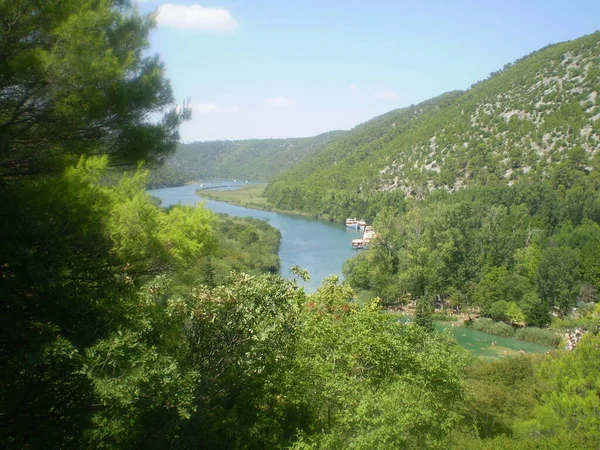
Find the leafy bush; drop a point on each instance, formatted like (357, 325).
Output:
(483, 324)
(502, 329)
(539, 336)
(497, 311)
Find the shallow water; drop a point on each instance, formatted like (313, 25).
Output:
(479, 343)
(484, 345)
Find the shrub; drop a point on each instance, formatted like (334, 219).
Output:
(497, 311)
(483, 324)
(539, 336)
(502, 329)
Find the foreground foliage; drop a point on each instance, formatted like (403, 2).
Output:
(533, 402)
(123, 325)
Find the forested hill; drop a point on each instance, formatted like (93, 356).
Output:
(536, 119)
(256, 159)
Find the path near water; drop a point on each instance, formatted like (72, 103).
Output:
(320, 247)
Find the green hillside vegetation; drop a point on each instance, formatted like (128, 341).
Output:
(517, 254)
(127, 326)
(253, 159)
(535, 120)
(242, 245)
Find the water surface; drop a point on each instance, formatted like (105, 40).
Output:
(488, 346)
(320, 247)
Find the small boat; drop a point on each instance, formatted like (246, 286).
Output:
(352, 223)
(358, 244)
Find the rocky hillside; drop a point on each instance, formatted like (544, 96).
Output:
(536, 119)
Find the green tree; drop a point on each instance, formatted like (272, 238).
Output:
(240, 338)
(74, 80)
(569, 407)
(367, 381)
(558, 278)
(424, 314)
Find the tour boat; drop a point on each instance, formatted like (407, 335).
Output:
(352, 223)
(358, 244)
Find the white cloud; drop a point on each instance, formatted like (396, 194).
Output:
(195, 17)
(387, 94)
(279, 101)
(352, 87)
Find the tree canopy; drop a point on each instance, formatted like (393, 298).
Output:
(75, 78)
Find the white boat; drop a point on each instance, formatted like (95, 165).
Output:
(352, 223)
(358, 244)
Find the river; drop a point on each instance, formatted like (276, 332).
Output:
(321, 248)
(317, 246)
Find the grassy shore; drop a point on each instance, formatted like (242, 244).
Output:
(249, 196)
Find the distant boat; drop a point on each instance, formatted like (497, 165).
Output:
(352, 223)
(356, 224)
(358, 244)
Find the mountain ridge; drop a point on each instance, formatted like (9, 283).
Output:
(529, 121)
(256, 159)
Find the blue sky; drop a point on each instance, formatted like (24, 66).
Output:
(280, 68)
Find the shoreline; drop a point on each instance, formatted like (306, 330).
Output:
(209, 194)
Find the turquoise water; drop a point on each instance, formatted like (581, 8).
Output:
(320, 247)
(479, 343)
(484, 345)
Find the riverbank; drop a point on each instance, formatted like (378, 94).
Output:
(478, 342)
(248, 196)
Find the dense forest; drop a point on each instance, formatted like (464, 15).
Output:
(124, 325)
(522, 255)
(254, 159)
